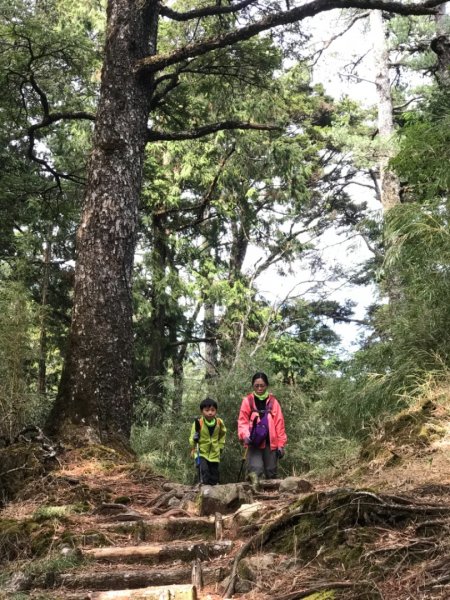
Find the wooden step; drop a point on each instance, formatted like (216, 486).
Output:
(157, 553)
(164, 529)
(119, 577)
(173, 592)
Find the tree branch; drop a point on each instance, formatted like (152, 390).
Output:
(62, 116)
(207, 11)
(278, 253)
(47, 119)
(347, 28)
(155, 63)
(192, 134)
(193, 340)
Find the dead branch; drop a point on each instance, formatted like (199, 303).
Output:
(320, 587)
(163, 499)
(22, 467)
(347, 28)
(438, 582)
(442, 523)
(413, 546)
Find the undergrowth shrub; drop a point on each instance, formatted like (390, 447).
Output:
(410, 342)
(314, 442)
(20, 404)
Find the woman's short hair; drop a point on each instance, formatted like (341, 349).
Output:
(262, 376)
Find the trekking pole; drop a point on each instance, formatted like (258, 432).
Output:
(197, 450)
(244, 458)
(197, 463)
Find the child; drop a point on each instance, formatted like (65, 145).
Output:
(207, 440)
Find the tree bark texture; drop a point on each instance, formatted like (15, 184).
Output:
(210, 328)
(239, 246)
(144, 576)
(158, 358)
(158, 553)
(389, 183)
(441, 47)
(42, 362)
(178, 372)
(96, 384)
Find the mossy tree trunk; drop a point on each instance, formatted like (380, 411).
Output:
(158, 351)
(96, 385)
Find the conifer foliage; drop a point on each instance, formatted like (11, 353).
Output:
(154, 55)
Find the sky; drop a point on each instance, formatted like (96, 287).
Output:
(330, 71)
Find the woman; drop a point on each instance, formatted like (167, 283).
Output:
(262, 456)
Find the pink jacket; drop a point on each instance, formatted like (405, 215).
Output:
(277, 433)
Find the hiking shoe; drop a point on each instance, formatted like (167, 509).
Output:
(254, 481)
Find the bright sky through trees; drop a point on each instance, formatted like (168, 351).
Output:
(333, 70)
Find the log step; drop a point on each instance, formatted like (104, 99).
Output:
(120, 578)
(157, 553)
(173, 592)
(164, 529)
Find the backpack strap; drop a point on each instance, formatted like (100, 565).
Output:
(253, 405)
(268, 408)
(199, 422)
(253, 411)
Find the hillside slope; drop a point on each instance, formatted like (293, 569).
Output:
(96, 521)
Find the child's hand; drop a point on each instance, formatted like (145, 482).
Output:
(280, 452)
(196, 437)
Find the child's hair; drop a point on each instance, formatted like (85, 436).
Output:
(262, 376)
(207, 402)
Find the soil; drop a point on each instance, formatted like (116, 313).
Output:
(379, 530)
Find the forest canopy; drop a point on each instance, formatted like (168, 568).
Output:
(160, 161)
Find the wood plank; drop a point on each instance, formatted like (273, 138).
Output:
(156, 553)
(144, 577)
(173, 592)
(164, 529)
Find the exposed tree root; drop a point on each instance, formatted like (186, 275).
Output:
(341, 511)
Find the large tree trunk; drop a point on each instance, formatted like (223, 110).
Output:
(441, 46)
(210, 329)
(96, 384)
(239, 246)
(42, 362)
(389, 182)
(157, 359)
(178, 384)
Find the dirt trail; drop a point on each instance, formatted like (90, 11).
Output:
(101, 528)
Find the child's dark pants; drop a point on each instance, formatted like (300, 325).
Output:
(209, 472)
